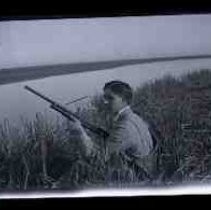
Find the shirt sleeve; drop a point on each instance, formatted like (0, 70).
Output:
(121, 139)
(129, 139)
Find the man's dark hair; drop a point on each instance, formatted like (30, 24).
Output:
(121, 89)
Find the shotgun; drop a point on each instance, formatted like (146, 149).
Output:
(69, 114)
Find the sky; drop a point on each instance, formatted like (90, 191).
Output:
(44, 42)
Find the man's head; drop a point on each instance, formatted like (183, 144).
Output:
(117, 94)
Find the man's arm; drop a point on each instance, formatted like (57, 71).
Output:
(87, 142)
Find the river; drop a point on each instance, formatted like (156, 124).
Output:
(15, 101)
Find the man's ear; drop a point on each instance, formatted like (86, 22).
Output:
(123, 101)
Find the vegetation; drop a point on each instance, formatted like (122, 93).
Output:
(46, 155)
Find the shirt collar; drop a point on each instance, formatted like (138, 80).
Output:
(121, 111)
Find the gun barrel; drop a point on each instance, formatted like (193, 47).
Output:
(53, 104)
(39, 94)
(67, 113)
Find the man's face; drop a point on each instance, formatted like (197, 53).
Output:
(113, 101)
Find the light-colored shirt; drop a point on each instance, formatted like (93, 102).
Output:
(120, 112)
(130, 135)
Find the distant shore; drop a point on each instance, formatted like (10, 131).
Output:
(20, 74)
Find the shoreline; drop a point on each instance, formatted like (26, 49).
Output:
(8, 76)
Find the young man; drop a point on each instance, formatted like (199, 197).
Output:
(129, 137)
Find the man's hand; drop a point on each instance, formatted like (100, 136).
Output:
(76, 125)
(86, 140)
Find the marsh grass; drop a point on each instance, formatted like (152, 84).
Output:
(42, 154)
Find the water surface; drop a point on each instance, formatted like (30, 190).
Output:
(15, 101)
